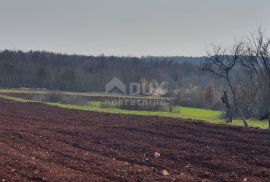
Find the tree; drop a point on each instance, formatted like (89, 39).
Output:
(221, 63)
(225, 100)
(258, 63)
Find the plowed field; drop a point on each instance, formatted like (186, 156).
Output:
(44, 143)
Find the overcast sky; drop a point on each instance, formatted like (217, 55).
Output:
(128, 27)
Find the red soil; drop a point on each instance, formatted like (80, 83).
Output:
(43, 143)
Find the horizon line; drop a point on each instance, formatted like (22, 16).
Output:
(99, 55)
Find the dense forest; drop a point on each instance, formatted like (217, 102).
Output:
(89, 73)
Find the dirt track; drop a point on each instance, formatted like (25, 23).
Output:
(42, 143)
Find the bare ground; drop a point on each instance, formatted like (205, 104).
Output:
(43, 143)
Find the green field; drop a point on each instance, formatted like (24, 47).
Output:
(204, 115)
(210, 116)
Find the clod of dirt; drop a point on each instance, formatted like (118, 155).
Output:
(165, 173)
(157, 155)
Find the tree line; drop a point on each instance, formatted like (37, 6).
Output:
(37, 69)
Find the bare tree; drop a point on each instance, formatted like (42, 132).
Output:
(258, 62)
(221, 63)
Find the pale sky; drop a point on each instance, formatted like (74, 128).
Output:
(128, 27)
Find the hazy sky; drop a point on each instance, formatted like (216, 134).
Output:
(128, 27)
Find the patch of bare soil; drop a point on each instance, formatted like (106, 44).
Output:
(43, 143)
